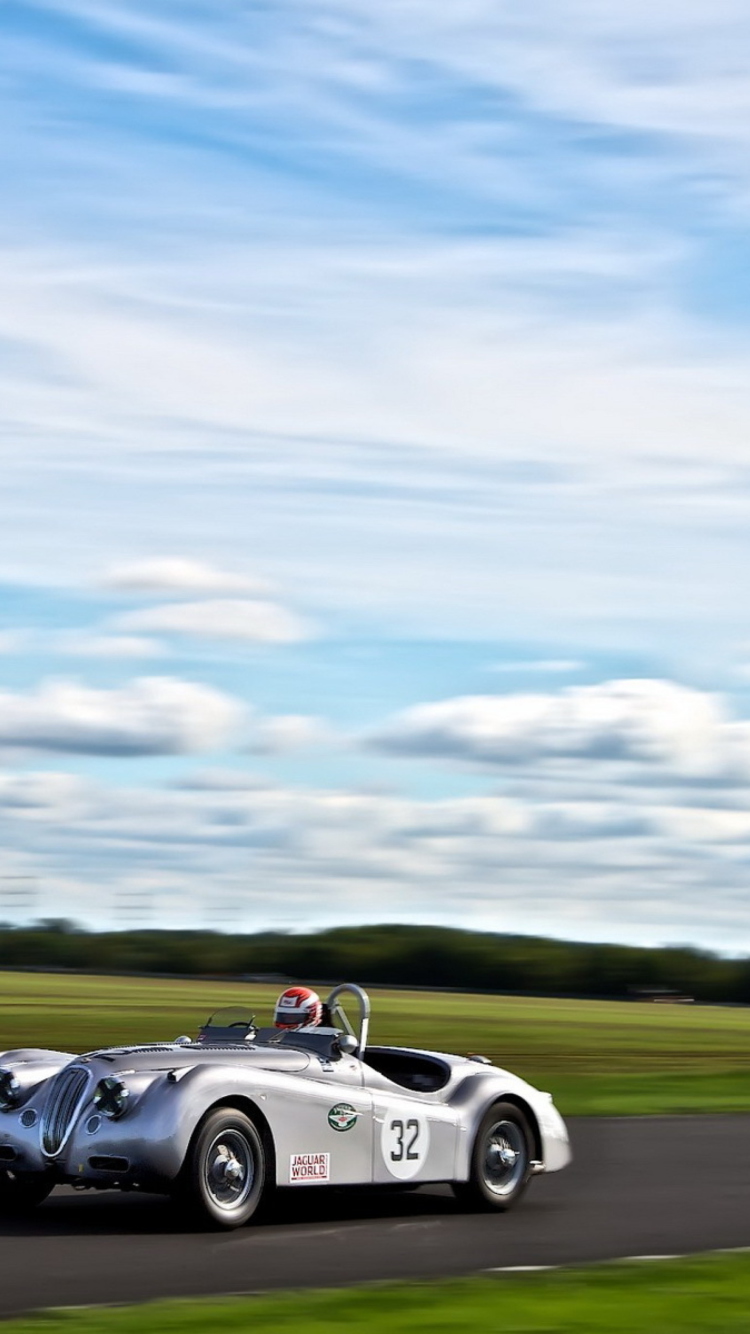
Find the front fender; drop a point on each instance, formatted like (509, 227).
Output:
(155, 1133)
(32, 1067)
(480, 1091)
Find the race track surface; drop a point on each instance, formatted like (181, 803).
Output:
(638, 1186)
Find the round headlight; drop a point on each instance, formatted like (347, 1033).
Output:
(10, 1090)
(111, 1097)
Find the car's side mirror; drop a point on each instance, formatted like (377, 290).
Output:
(347, 1045)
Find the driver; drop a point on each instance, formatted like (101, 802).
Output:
(298, 1007)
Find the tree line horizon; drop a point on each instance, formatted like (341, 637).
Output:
(389, 955)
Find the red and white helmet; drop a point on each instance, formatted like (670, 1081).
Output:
(297, 1007)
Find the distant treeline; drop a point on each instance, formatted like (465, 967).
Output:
(420, 956)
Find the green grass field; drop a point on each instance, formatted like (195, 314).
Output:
(708, 1295)
(595, 1057)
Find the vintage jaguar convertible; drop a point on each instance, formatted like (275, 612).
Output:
(220, 1120)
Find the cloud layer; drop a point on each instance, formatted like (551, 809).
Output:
(436, 316)
(228, 849)
(619, 809)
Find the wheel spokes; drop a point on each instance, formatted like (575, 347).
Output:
(505, 1157)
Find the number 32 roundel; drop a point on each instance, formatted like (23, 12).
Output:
(404, 1143)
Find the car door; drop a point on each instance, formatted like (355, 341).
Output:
(323, 1127)
(414, 1138)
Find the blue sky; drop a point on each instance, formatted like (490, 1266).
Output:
(375, 406)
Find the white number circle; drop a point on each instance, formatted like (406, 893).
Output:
(404, 1143)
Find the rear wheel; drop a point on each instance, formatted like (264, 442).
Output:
(23, 1191)
(224, 1176)
(500, 1160)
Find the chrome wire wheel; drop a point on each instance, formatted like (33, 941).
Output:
(506, 1158)
(229, 1169)
(500, 1166)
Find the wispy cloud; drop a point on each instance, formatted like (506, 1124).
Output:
(288, 733)
(77, 644)
(219, 618)
(178, 574)
(539, 666)
(14, 641)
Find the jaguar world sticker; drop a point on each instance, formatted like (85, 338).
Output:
(343, 1116)
(309, 1167)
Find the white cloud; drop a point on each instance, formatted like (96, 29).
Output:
(220, 618)
(177, 574)
(643, 722)
(149, 716)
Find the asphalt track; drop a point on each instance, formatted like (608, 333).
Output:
(638, 1186)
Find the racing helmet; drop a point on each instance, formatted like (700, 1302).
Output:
(298, 1007)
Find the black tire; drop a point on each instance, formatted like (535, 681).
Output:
(500, 1160)
(224, 1177)
(22, 1192)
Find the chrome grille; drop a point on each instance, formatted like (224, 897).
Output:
(63, 1101)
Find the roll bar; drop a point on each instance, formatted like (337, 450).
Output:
(337, 1013)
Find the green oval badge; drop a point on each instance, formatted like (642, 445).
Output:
(343, 1116)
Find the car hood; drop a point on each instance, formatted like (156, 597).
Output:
(174, 1056)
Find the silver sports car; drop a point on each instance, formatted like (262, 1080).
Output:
(220, 1120)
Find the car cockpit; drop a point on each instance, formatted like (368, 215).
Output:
(416, 1072)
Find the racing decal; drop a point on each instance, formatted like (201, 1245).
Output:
(309, 1167)
(343, 1116)
(404, 1143)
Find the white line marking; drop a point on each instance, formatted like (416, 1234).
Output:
(616, 1260)
(521, 1269)
(638, 1258)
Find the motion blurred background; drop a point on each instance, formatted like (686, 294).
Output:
(375, 400)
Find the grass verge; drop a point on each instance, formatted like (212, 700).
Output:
(595, 1057)
(697, 1296)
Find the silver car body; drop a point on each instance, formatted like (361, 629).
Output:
(335, 1111)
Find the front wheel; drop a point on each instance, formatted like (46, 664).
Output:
(224, 1176)
(500, 1160)
(23, 1191)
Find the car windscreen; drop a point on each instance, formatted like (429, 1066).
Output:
(234, 1024)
